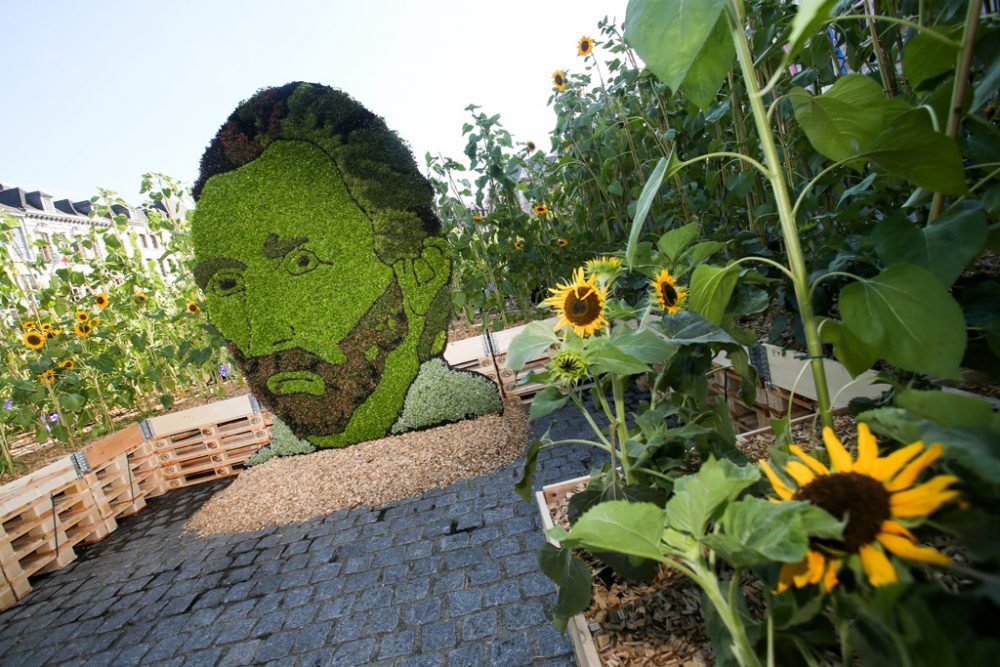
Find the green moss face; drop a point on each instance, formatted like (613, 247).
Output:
(325, 331)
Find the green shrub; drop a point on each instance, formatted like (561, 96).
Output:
(283, 443)
(441, 395)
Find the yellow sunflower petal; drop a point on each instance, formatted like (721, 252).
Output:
(814, 464)
(877, 566)
(906, 548)
(924, 499)
(791, 574)
(886, 467)
(917, 466)
(839, 456)
(830, 577)
(867, 450)
(799, 472)
(779, 487)
(816, 565)
(894, 528)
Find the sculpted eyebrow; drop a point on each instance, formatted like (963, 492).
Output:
(275, 248)
(204, 270)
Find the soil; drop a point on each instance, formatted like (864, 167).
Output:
(374, 474)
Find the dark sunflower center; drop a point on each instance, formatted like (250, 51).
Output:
(668, 294)
(559, 80)
(582, 309)
(585, 46)
(860, 498)
(570, 365)
(34, 339)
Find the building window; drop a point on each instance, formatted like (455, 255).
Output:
(153, 241)
(142, 240)
(22, 245)
(45, 249)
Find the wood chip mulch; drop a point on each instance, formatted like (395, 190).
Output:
(296, 488)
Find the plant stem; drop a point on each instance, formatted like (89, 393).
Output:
(742, 650)
(775, 175)
(618, 389)
(962, 63)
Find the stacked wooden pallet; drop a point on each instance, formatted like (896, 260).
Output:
(79, 499)
(515, 383)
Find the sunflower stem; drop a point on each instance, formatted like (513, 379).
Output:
(741, 648)
(775, 174)
(618, 389)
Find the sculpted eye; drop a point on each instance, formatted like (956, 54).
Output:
(301, 261)
(226, 282)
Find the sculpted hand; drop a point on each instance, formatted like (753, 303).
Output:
(422, 278)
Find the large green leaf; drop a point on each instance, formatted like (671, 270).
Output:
(925, 58)
(546, 402)
(948, 409)
(644, 345)
(649, 191)
(621, 527)
(710, 68)
(669, 34)
(697, 497)
(856, 356)
(609, 358)
(758, 531)
(808, 18)
(711, 289)
(530, 344)
(944, 248)
(908, 318)
(988, 51)
(845, 120)
(572, 577)
(523, 486)
(686, 328)
(976, 448)
(673, 242)
(910, 148)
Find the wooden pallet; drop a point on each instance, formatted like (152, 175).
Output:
(515, 383)
(212, 451)
(772, 402)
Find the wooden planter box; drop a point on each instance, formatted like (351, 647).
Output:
(79, 499)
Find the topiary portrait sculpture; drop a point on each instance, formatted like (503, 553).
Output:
(321, 260)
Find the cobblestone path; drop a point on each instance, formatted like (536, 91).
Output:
(447, 578)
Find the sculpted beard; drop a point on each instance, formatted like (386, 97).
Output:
(346, 385)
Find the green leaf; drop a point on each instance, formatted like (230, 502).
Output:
(608, 358)
(649, 191)
(676, 240)
(897, 423)
(925, 58)
(910, 148)
(523, 486)
(697, 497)
(572, 577)
(988, 51)
(908, 318)
(947, 408)
(621, 527)
(711, 288)
(844, 121)
(856, 356)
(710, 67)
(699, 252)
(669, 34)
(546, 402)
(758, 531)
(808, 18)
(686, 328)
(944, 248)
(645, 345)
(72, 402)
(976, 449)
(530, 344)
(857, 189)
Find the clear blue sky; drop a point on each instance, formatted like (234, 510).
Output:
(96, 93)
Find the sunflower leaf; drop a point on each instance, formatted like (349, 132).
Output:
(621, 527)
(649, 191)
(697, 497)
(909, 318)
(571, 576)
(709, 69)
(711, 289)
(757, 531)
(530, 344)
(944, 248)
(808, 17)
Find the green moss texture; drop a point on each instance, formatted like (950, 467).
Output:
(283, 443)
(441, 395)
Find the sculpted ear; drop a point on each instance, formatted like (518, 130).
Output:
(398, 235)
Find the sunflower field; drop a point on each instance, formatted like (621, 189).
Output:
(822, 175)
(109, 338)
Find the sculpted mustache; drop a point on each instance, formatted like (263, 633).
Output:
(292, 359)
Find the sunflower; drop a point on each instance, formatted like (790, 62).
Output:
(48, 377)
(101, 300)
(48, 329)
(580, 304)
(540, 209)
(871, 493)
(476, 217)
(585, 46)
(82, 317)
(606, 265)
(28, 325)
(559, 79)
(33, 340)
(562, 243)
(518, 245)
(569, 367)
(67, 364)
(95, 322)
(139, 298)
(530, 146)
(668, 294)
(82, 330)
(193, 307)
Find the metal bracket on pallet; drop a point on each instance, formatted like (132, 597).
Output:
(255, 404)
(758, 359)
(147, 429)
(80, 463)
(488, 344)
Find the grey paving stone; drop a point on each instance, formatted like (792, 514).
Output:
(354, 653)
(395, 645)
(412, 590)
(479, 626)
(552, 643)
(466, 655)
(241, 654)
(383, 620)
(520, 616)
(464, 602)
(276, 647)
(349, 627)
(311, 637)
(422, 660)
(437, 636)
(511, 651)
(423, 611)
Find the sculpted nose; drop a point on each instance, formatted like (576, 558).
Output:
(269, 335)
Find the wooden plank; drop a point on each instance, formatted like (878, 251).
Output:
(196, 417)
(24, 490)
(110, 446)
